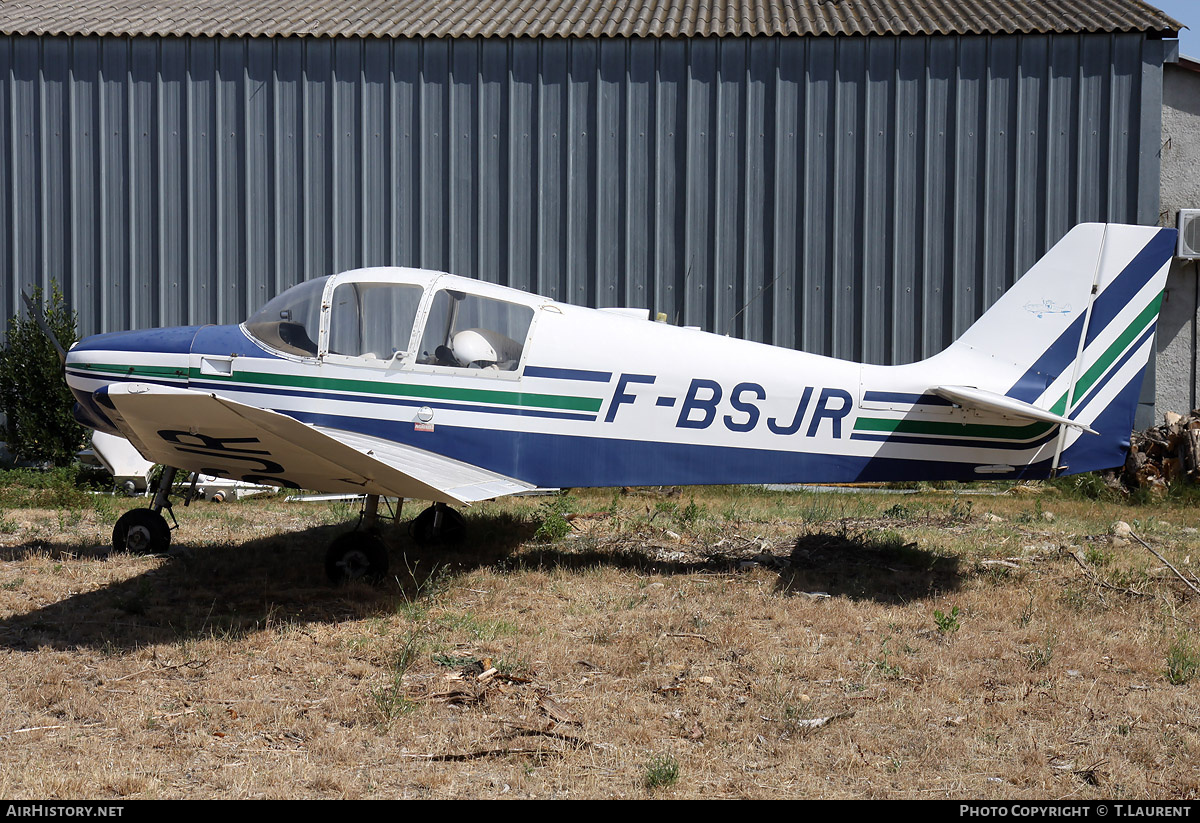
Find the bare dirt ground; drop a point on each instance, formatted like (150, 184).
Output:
(722, 642)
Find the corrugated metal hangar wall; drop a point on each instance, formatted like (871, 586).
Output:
(862, 197)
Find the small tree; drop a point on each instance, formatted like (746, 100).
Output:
(33, 393)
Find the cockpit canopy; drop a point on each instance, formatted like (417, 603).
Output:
(373, 321)
(380, 317)
(470, 331)
(291, 321)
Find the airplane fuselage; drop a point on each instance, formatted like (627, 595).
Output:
(600, 398)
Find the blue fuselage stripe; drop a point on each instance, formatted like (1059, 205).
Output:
(959, 443)
(904, 397)
(126, 378)
(558, 460)
(568, 374)
(1030, 386)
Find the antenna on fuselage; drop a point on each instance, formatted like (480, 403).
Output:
(758, 294)
(681, 298)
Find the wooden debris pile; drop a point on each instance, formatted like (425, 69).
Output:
(1164, 454)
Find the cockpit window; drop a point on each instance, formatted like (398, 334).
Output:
(373, 321)
(291, 321)
(469, 331)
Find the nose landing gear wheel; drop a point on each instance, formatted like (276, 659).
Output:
(141, 531)
(356, 556)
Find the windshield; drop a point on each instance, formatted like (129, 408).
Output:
(291, 321)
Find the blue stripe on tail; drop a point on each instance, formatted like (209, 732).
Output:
(1129, 282)
(1061, 353)
(1115, 424)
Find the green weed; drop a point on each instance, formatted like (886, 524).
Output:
(1183, 661)
(388, 700)
(692, 513)
(947, 622)
(1027, 612)
(341, 511)
(961, 509)
(1040, 657)
(661, 771)
(883, 664)
(554, 525)
(1090, 486)
(479, 629)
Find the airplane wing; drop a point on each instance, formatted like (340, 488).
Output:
(218, 436)
(970, 397)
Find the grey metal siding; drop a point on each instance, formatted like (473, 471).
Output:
(862, 197)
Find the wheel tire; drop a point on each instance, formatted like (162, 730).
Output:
(425, 530)
(356, 556)
(141, 531)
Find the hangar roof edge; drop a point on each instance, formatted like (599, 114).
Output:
(576, 18)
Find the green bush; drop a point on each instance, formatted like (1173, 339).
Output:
(33, 394)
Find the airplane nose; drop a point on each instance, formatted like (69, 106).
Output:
(175, 340)
(148, 356)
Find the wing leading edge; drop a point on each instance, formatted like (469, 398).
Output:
(215, 435)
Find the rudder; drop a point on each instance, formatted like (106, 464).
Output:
(1074, 335)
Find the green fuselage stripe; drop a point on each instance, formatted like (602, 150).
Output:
(133, 371)
(510, 398)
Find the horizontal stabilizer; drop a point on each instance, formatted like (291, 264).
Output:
(970, 397)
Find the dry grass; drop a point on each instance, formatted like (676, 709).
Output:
(709, 643)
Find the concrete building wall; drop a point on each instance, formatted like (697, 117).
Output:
(1177, 374)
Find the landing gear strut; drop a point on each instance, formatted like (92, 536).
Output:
(145, 531)
(361, 554)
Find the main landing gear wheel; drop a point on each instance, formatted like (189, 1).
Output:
(356, 556)
(141, 531)
(438, 525)
(145, 531)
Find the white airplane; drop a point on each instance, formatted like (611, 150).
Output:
(416, 384)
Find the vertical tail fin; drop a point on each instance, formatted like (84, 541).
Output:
(1074, 335)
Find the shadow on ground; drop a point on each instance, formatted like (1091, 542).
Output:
(863, 566)
(198, 591)
(236, 589)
